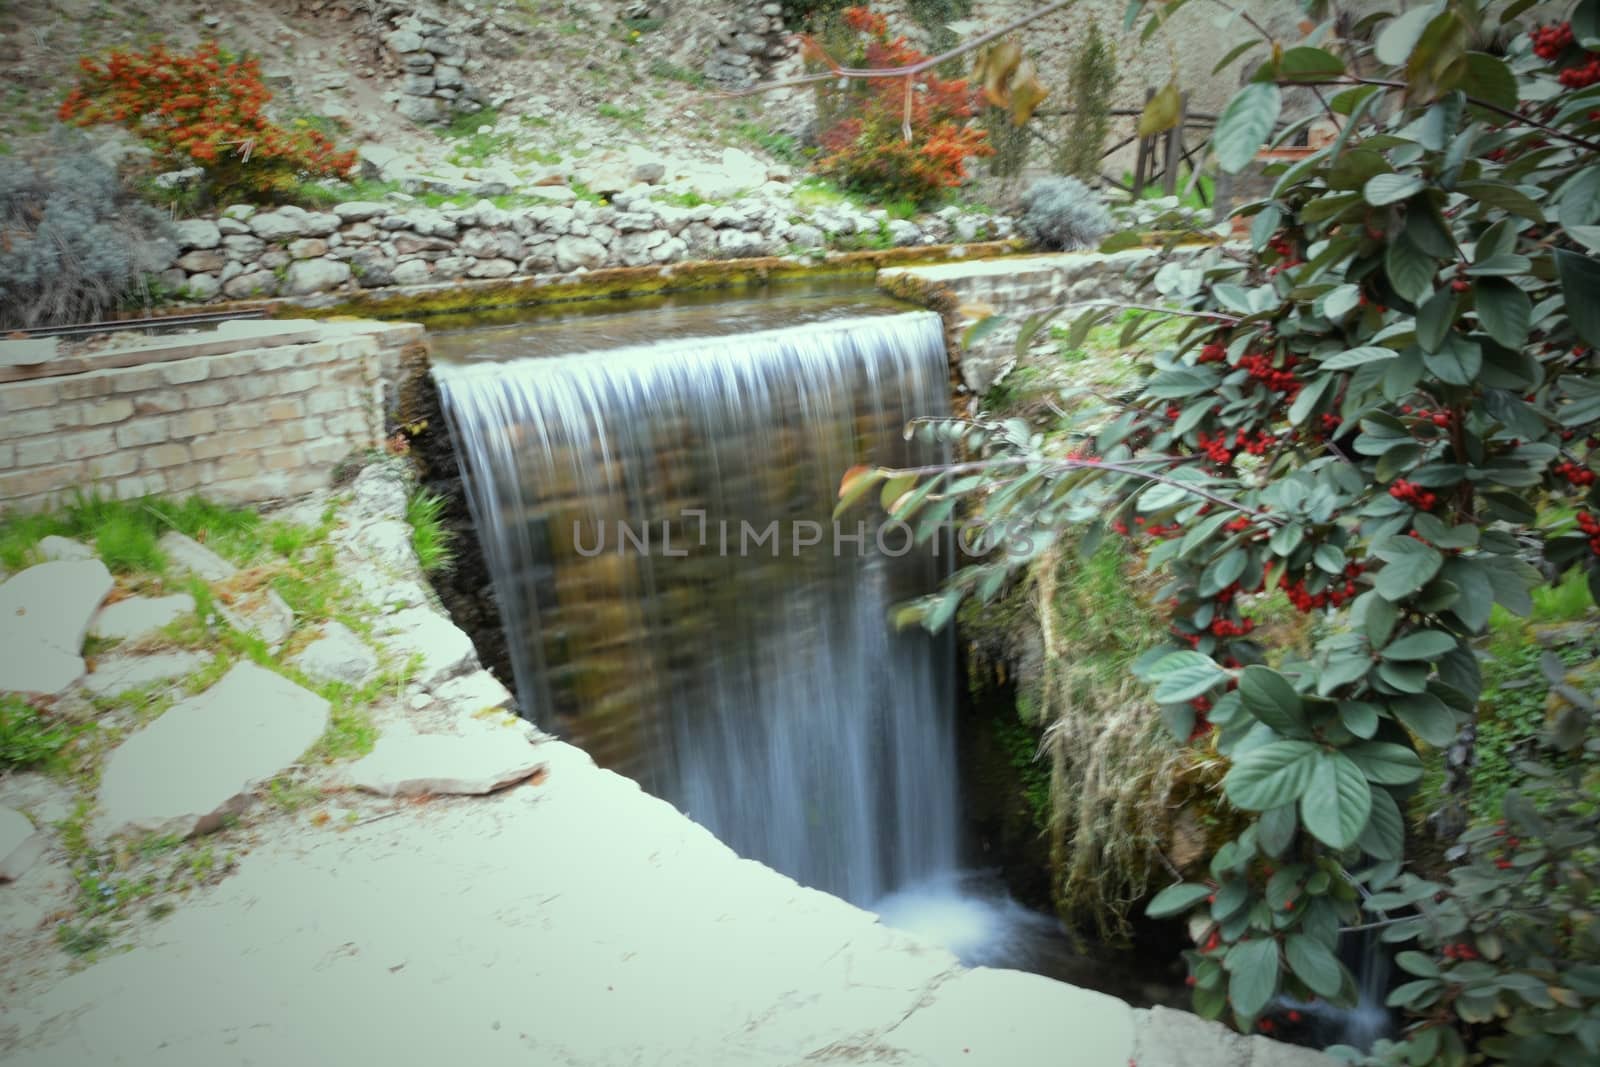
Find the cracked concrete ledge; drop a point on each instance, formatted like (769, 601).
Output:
(574, 921)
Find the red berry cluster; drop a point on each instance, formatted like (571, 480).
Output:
(1286, 252)
(1440, 419)
(1281, 379)
(1591, 529)
(1413, 494)
(1581, 77)
(1239, 525)
(1153, 529)
(1221, 450)
(1212, 353)
(1574, 473)
(1227, 628)
(1333, 596)
(1550, 41)
(1330, 423)
(1202, 725)
(1460, 950)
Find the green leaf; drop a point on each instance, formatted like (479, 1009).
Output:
(1355, 357)
(1269, 697)
(1385, 835)
(1503, 196)
(1434, 319)
(1223, 571)
(1424, 644)
(1359, 717)
(1337, 801)
(1162, 112)
(1401, 35)
(1580, 199)
(1314, 965)
(1384, 189)
(1410, 269)
(1481, 75)
(1409, 565)
(1311, 64)
(981, 329)
(1505, 311)
(1245, 124)
(1588, 236)
(1418, 963)
(1271, 776)
(1253, 968)
(1426, 716)
(1275, 830)
(1457, 362)
(1385, 763)
(1580, 285)
(1176, 899)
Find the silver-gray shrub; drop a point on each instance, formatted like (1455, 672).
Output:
(1063, 214)
(74, 241)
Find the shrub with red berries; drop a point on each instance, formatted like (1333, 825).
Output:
(1384, 413)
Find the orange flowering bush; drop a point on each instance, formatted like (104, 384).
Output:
(868, 148)
(205, 109)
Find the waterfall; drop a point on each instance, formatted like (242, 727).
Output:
(758, 686)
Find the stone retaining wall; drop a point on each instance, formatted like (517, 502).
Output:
(249, 253)
(255, 424)
(1020, 286)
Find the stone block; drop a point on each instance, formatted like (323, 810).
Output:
(88, 443)
(21, 397)
(186, 371)
(141, 432)
(191, 424)
(169, 455)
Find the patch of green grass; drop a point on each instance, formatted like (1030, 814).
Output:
(291, 795)
(465, 124)
(124, 533)
(26, 738)
(83, 939)
(819, 192)
(631, 117)
(668, 71)
(429, 538)
(1566, 602)
(234, 533)
(583, 192)
(689, 198)
(313, 591)
(127, 545)
(780, 146)
(20, 536)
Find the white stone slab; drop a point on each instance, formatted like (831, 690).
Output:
(139, 616)
(201, 760)
(480, 759)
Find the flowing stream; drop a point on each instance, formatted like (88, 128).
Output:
(645, 510)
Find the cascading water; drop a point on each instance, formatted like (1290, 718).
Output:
(642, 512)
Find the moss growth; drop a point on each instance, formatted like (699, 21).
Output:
(626, 282)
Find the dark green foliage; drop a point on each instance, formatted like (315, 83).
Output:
(77, 244)
(1092, 82)
(1388, 414)
(1009, 141)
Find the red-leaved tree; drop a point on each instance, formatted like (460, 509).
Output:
(869, 148)
(203, 109)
